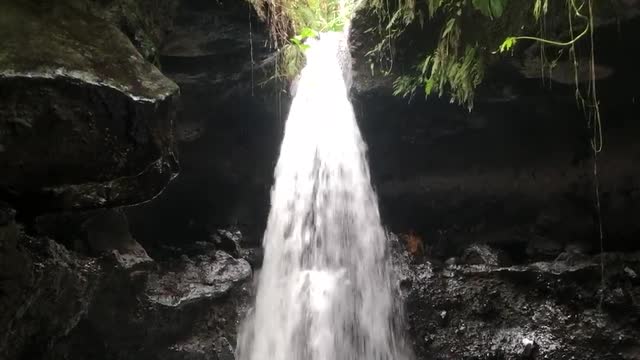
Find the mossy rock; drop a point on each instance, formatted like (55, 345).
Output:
(62, 41)
(85, 120)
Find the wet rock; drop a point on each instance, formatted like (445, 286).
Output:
(573, 254)
(8, 230)
(180, 309)
(540, 247)
(209, 48)
(531, 311)
(7, 214)
(196, 349)
(254, 256)
(479, 254)
(202, 278)
(224, 350)
(86, 122)
(13, 260)
(616, 297)
(45, 291)
(95, 233)
(401, 260)
(108, 233)
(228, 241)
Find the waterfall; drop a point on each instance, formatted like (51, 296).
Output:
(325, 291)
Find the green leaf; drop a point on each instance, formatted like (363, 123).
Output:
(448, 27)
(507, 44)
(306, 33)
(497, 7)
(428, 86)
(490, 8)
(540, 8)
(425, 65)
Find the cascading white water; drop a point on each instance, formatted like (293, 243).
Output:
(325, 291)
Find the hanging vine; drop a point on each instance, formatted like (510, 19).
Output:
(590, 105)
(455, 65)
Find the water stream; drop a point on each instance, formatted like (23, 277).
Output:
(325, 291)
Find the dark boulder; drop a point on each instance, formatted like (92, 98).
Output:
(204, 277)
(189, 307)
(228, 241)
(45, 290)
(107, 233)
(541, 310)
(85, 120)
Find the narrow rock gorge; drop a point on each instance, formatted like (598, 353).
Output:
(138, 142)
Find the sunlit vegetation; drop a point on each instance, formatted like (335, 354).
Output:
(291, 22)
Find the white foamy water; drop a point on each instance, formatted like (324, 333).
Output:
(325, 291)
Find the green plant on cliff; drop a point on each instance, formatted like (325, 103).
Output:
(574, 12)
(468, 35)
(454, 64)
(291, 22)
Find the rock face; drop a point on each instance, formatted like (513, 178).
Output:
(181, 311)
(541, 310)
(185, 307)
(86, 121)
(200, 279)
(44, 292)
(517, 171)
(117, 303)
(229, 128)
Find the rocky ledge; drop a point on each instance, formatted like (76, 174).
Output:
(114, 301)
(476, 306)
(202, 278)
(85, 120)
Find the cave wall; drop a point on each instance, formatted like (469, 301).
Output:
(86, 120)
